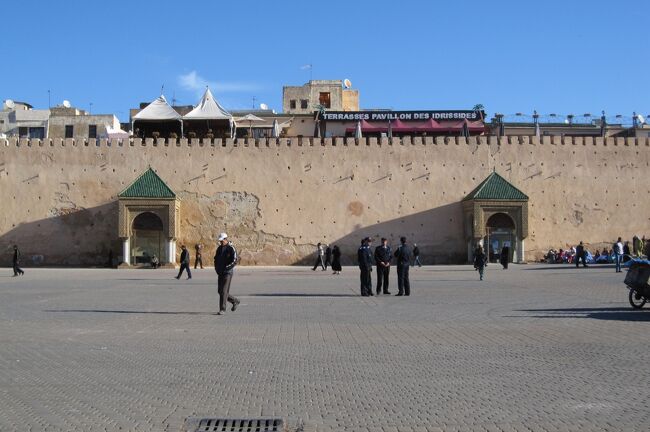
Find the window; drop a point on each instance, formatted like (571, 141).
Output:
(324, 99)
(37, 132)
(92, 131)
(292, 104)
(304, 103)
(23, 132)
(69, 131)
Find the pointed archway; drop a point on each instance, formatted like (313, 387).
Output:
(148, 221)
(496, 213)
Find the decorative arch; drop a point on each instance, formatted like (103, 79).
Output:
(149, 194)
(496, 201)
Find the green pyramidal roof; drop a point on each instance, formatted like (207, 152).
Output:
(148, 185)
(495, 187)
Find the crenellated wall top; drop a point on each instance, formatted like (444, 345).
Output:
(332, 142)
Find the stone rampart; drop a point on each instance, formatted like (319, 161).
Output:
(279, 197)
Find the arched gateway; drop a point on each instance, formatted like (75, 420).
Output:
(148, 221)
(496, 215)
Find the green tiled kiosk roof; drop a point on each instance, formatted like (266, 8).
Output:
(495, 187)
(148, 185)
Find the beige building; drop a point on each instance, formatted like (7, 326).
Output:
(70, 122)
(329, 94)
(21, 120)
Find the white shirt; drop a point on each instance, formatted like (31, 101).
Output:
(618, 248)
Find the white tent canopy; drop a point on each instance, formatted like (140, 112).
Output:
(158, 110)
(208, 109)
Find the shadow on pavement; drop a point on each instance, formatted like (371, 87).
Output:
(300, 295)
(606, 313)
(127, 312)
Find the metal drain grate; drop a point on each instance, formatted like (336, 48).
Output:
(234, 425)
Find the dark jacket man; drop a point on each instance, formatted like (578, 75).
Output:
(328, 256)
(185, 263)
(383, 255)
(403, 255)
(364, 258)
(225, 260)
(16, 262)
(580, 255)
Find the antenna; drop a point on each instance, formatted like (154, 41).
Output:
(347, 83)
(264, 106)
(10, 104)
(254, 99)
(66, 103)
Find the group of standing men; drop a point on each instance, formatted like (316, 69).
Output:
(382, 258)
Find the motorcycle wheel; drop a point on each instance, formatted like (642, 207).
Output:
(636, 300)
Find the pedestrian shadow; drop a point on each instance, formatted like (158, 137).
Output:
(300, 295)
(135, 312)
(605, 313)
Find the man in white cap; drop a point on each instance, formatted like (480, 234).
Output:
(225, 260)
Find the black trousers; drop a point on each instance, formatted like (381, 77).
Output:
(382, 278)
(366, 281)
(328, 262)
(581, 258)
(223, 285)
(17, 270)
(184, 266)
(198, 261)
(319, 262)
(403, 283)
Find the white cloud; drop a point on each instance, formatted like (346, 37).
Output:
(194, 82)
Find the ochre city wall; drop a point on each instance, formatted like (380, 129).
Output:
(278, 198)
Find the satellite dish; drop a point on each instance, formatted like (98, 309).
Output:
(640, 118)
(347, 83)
(66, 103)
(264, 106)
(10, 104)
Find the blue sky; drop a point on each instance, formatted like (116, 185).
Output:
(510, 56)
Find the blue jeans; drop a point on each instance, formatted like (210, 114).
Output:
(617, 260)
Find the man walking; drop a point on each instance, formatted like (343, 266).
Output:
(328, 256)
(618, 254)
(185, 263)
(580, 255)
(403, 255)
(198, 260)
(416, 255)
(225, 260)
(319, 257)
(383, 255)
(364, 257)
(16, 261)
(480, 261)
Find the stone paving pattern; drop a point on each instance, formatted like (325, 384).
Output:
(533, 348)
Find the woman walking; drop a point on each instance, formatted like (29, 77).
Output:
(479, 261)
(336, 260)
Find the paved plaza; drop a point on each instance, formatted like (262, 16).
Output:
(533, 348)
